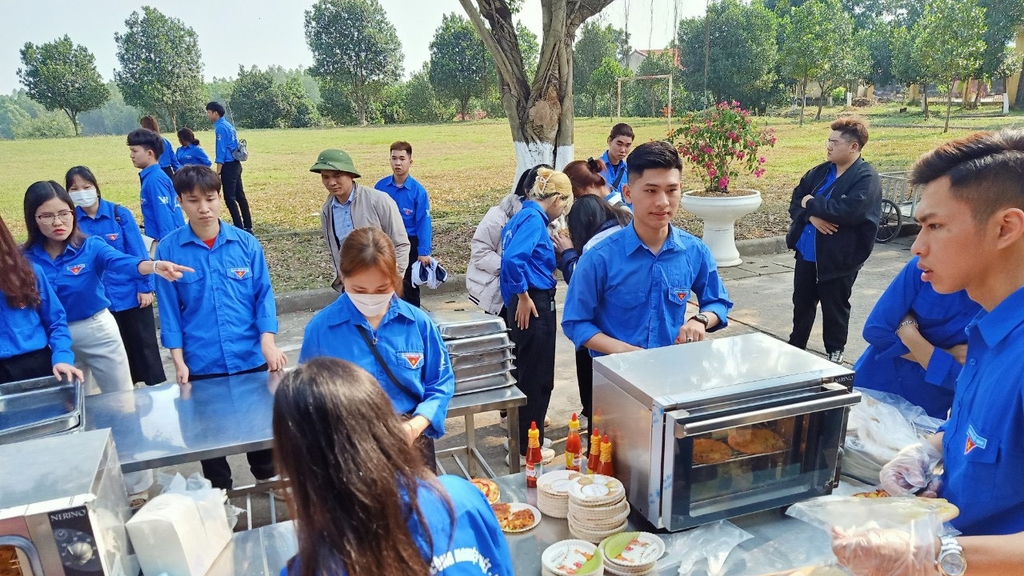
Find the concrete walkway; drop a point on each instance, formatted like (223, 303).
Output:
(760, 288)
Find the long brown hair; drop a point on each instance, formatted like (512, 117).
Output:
(38, 194)
(584, 175)
(368, 248)
(150, 123)
(353, 476)
(17, 278)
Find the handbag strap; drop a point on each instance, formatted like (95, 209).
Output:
(387, 369)
(618, 178)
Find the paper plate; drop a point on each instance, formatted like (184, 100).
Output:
(595, 536)
(557, 482)
(568, 556)
(596, 490)
(516, 507)
(642, 550)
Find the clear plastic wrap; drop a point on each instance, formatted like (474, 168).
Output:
(712, 541)
(879, 427)
(198, 488)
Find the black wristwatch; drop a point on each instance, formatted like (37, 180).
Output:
(702, 318)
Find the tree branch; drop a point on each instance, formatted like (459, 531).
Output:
(509, 71)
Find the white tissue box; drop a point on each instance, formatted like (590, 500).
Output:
(178, 535)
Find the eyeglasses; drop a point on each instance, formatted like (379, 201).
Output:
(63, 215)
(831, 143)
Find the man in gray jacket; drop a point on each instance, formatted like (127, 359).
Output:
(351, 205)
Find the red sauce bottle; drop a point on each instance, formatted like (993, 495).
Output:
(595, 452)
(573, 446)
(533, 456)
(605, 466)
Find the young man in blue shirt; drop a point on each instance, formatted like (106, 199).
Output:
(228, 168)
(414, 205)
(615, 168)
(161, 213)
(630, 291)
(222, 320)
(972, 238)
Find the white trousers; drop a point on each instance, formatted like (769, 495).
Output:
(99, 351)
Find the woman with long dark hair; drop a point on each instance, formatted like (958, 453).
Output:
(363, 500)
(131, 300)
(591, 220)
(168, 161)
(74, 264)
(370, 324)
(190, 152)
(34, 337)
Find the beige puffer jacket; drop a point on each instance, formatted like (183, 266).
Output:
(485, 260)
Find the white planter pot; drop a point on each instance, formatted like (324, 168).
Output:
(720, 214)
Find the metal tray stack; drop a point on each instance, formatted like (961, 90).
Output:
(480, 350)
(39, 407)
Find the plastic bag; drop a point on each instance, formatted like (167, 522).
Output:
(197, 487)
(712, 541)
(879, 427)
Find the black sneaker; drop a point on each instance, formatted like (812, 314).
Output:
(836, 357)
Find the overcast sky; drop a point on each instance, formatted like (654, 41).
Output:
(270, 32)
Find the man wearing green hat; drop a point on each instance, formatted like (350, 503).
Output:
(351, 205)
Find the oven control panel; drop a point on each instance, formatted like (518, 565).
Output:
(72, 533)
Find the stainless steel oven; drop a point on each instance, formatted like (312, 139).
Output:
(721, 428)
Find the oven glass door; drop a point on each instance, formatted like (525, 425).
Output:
(725, 465)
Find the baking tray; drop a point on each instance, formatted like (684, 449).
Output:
(490, 357)
(483, 370)
(484, 383)
(39, 407)
(477, 344)
(467, 324)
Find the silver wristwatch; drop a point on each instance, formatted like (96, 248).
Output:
(951, 560)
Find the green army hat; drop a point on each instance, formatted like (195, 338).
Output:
(335, 160)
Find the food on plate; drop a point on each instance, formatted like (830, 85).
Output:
(489, 488)
(880, 493)
(707, 451)
(513, 520)
(755, 441)
(942, 507)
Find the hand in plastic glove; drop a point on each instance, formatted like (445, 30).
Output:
(885, 552)
(910, 470)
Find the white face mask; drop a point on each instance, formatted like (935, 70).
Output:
(371, 305)
(85, 197)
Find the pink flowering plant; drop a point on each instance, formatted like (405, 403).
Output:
(721, 142)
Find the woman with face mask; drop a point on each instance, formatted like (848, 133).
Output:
(130, 299)
(397, 343)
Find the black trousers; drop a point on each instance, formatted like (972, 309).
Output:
(535, 360)
(138, 332)
(410, 293)
(217, 470)
(585, 381)
(169, 171)
(834, 296)
(26, 366)
(234, 194)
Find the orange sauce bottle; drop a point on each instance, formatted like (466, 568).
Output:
(573, 446)
(595, 452)
(533, 456)
(605, 467)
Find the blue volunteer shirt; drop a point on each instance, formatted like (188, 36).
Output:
(941, 319)
(76, 274)
(807, 242)
(161, 213)
(622, 289)
(124, 236)
(24, 330)
(476, 546)
(407, 340)
(613, 174)
(527, 253)
(192, 154)
(227, 141)
(983, 446)
(217, 314)
(414, 205)
(167, 157)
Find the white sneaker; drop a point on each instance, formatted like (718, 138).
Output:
(547, 455)
(545, 444)
(547, 422)
(503, 423)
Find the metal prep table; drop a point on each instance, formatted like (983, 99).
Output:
(168, 425)
(258, 552)
(468, 405)
(774, 535)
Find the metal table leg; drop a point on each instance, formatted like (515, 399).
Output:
(513, 439)
(471, 444)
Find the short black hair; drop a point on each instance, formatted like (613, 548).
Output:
(84, 173)
(652, 155)
(216, 107)
(621, 129)
(985, 170)
(147, 139)
(193, 176)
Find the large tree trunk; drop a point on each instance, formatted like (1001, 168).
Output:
(949, 107)
(924, 99)
(540, 113)
(803, 100)
(821, 97)
(73, 116)
(1019, 100)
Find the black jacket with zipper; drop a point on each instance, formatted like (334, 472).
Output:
(854, 205)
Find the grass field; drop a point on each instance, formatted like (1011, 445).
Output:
(465, 167)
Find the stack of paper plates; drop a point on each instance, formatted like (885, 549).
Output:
(631, 553)
(553, 492)
(597, 507)
(572, 557)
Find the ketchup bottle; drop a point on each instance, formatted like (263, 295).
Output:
(605, 467)
(573, 446)
(595, 452)
(533, 456)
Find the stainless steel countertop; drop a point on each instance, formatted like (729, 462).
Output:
(167, 425)
(258, 552)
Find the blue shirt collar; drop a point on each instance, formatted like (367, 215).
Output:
(608, 163)
(346, 312)
(996, 325)
(149, 170)
(633, 242)
(409, 181)
(225, 234)
(105, 210)
(533, 205)
(351, 196)
(69, 249)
